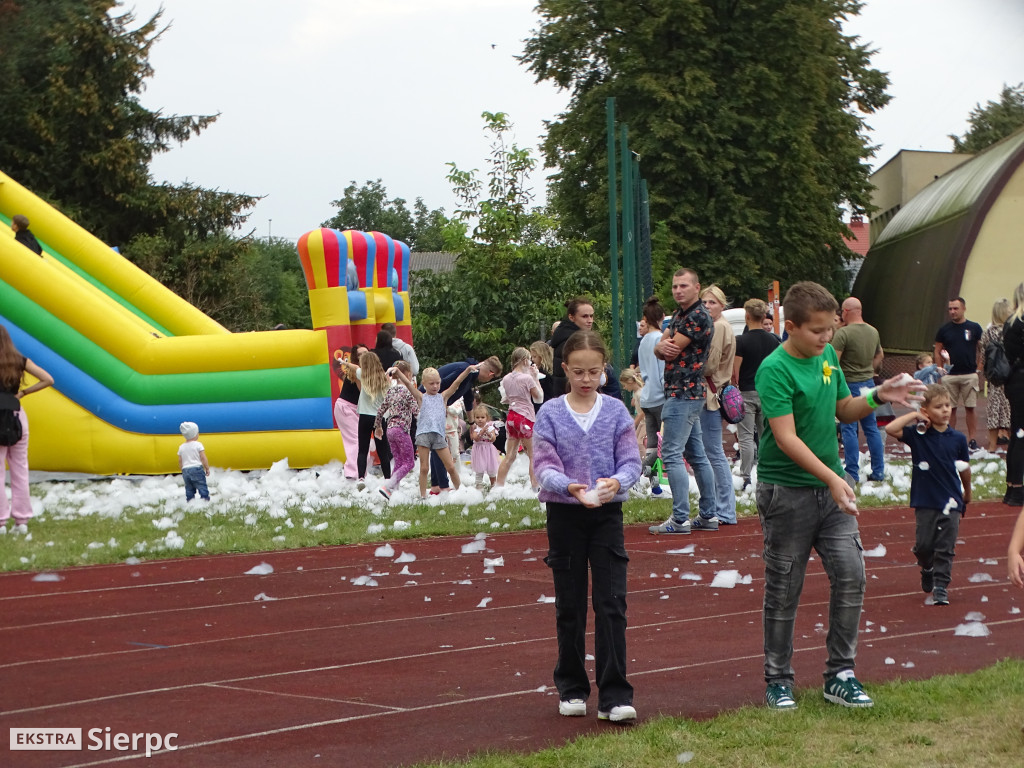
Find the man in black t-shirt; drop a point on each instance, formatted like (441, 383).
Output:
(752, 347)
(959, 338)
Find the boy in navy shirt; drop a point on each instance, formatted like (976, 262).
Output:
(940, 458)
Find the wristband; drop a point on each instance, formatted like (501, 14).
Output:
(871, 396)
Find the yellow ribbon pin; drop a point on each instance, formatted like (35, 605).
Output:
(826, 373)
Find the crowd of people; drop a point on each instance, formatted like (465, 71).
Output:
(564, 409)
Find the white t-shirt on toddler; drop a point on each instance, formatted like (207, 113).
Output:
(189, 452)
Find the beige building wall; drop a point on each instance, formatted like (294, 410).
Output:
(903, 176)
(999, 244)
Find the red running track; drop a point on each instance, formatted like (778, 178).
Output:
(418, 668)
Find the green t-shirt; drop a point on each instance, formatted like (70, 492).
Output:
(800, 386)
(858, 344)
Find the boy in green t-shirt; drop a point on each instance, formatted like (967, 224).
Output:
(803, 500)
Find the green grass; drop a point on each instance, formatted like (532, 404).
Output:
(973, 721)
(69, 535)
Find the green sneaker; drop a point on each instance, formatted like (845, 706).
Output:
(843, 688)
(779, 696)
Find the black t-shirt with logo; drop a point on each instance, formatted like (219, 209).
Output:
(961, 341)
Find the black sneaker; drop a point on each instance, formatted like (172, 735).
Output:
(973, 446)
(1014, 496)
(940, 596)
(927, 580)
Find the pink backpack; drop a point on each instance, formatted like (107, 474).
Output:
(731, 401)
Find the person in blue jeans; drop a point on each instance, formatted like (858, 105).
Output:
(860, 354)
(193, 462)
(684, 346)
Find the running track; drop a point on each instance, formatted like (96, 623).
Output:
(329, 673)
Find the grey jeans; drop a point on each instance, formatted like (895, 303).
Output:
(795, 520)
(753, 418)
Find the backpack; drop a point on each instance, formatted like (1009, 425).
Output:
(731, 402)
(997, 367)
(10, 424)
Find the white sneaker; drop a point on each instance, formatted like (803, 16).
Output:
(618, 714)
(21, 528)
(3, 530)
(572, 708)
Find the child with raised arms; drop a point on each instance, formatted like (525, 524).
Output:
(430, 425)
(398, 409)
(940, 486)
(586, 460)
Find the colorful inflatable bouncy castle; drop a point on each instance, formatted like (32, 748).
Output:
(132, 360)
(357, 281)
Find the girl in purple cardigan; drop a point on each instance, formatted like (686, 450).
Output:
(586, 459)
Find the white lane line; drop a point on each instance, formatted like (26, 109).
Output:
(328, 699)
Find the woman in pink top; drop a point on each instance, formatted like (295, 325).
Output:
(522, 389)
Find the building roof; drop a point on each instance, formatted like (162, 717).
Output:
(859, 242)
(432, 261)
(951, 239)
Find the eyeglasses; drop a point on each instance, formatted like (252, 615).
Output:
(579, 374)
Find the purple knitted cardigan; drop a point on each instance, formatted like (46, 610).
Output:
(563, 453)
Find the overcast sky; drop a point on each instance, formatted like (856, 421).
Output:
(313, 94)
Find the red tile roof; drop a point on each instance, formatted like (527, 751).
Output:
(859, 242)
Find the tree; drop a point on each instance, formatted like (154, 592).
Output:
(74, 130)
(368, 209)
(747, 116)
(244, 284)
(994, 121)
(512, 276)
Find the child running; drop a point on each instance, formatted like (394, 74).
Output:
(430, 426)
(522, 389)
(940, 457)
(398, 409)
(192, 461)
(586, 461)
(484, 456)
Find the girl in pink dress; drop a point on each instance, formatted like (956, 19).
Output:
(484, 457)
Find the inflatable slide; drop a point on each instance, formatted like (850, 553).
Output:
(131, 360)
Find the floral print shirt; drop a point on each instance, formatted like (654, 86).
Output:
(684, 376)
(399, 407)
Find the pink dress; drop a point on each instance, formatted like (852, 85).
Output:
(484, 458)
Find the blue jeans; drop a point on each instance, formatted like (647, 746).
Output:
(723, 503)
(681, 433)
(195, 480)
(793, 521)
(851, 446)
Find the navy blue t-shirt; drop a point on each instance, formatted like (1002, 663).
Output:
(961, 341)
(935, 481)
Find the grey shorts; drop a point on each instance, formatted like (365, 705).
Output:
(435, 441)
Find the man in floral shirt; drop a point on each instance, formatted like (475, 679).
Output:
(684, 347)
